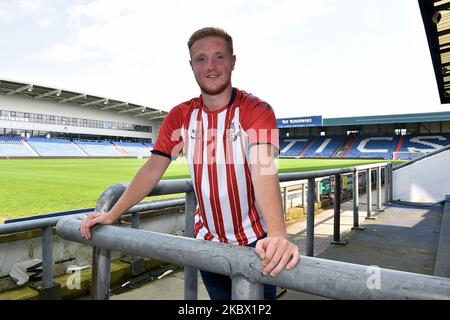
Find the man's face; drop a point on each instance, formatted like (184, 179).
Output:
(212, 63)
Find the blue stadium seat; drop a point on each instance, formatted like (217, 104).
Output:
(54, 147)
(416, 145)
(134, 148)
(12, 146)
(323, 147)
(293, 147)
(373, 147)
(98, 148)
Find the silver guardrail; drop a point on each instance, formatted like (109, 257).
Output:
(110, 196)
(326, 278)
(102, 254)
(48, 288)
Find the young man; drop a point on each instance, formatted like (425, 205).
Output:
(229, 138)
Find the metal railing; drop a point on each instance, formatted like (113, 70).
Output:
(47, 288)
(326, 278)
(161, 247)
(110, 196)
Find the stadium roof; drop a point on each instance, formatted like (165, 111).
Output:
(38, 92)
(385, 119)
(436, 19)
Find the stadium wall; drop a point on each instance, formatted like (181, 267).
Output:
(73, 129)
(25, 104)
(426, 180)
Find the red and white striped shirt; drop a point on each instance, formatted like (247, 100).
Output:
(216, 145)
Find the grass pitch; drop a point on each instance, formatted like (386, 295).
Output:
(40, 186)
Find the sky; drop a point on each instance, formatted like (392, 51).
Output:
(334, 58)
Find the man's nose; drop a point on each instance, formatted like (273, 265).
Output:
(212, 63)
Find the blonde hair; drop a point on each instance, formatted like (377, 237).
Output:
(210, 32)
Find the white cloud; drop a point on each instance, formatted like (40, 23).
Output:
(146, 40)
(44, 23)
(38, 11)
(66, 53)
(15, 9)
(304, 57)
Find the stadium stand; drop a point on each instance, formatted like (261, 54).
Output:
(322, 147)
(293, 147)
(98, 148)
(420, 144)
(373, 147)
(134, 149)
(150, 145)
(15, 146)
(12, 146)
(54, 147)
(395, 147)
(379, 147)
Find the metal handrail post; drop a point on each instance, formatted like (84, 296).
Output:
(135, 221)
(379, 188)
(337, 212)
(48, 290)
(243, 288)
(101, 273)
(386, 185)
(355, 191)
(318, 190)
(285, 200)
(369, 193)
(190, 274)
(137, 264)
(303, 195)
(47, 259)
(355, 195)
(391, 182)
(310, 218)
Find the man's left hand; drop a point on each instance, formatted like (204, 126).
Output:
(276, 253)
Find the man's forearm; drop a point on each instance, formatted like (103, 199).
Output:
(142, 184)
(268, 199)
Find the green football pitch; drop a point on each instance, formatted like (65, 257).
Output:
(40, 186)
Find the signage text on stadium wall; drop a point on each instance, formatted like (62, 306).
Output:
(314, 121)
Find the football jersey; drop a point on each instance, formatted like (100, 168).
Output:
(216, 144)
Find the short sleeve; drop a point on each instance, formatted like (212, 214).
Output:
(170, 143)
(260, 124)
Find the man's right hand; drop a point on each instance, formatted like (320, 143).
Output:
(92, 219)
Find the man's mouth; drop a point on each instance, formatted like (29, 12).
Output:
(213, 76)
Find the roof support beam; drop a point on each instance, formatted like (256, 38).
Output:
(79, 96)
(444, 6)
(160, 117)
(427, 11)
(144, 114)
(442, 51)
(28, 87)
(115, 106)
(133, 109)
(443, 32)
(43, 95)
(94, 102)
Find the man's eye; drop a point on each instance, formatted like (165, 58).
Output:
(201, 59)
(220, 57)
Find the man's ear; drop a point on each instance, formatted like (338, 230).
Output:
(190, 63)
(233, 62)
